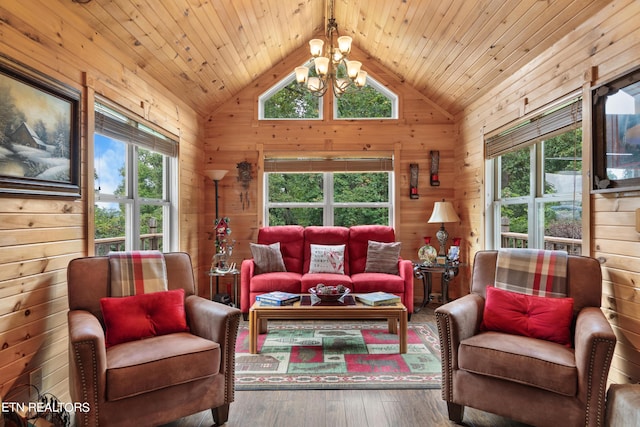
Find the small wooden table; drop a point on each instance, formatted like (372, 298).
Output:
(396, 315)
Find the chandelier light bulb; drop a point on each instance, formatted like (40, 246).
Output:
(361, 80)
(314, 84)
(322, 66)
(353, 67)
(315, 45)
(301, 74)
(344, 44)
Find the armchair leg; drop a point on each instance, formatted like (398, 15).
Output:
(456, 412)
(220, 414)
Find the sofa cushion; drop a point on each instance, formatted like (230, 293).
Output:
(321, 235)
(524, 360)
(142, 316)
(372, 282)
(285, 281)
(327, 259)
(267, 258)
(291, 240)
(383, 257)
(155, 363)
(359, 236)
(529, 315)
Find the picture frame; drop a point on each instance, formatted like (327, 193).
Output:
(39, 134)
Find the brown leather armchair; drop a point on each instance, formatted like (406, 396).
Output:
(526, 379)
(155, 380)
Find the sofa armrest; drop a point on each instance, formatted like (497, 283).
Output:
(247, 270)
(405, 270)
(88, 360)
(457, 320)
(594, 345)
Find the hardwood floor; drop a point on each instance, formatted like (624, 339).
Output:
(337, 408)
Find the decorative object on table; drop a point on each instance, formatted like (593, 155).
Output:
(378, 298)
(338, 355)
(277, 298)
(40, 135)
(434, 180)
(427, 253)
(224, 248)
(329, 293)
(454, 253)
(443, 212)
(244, 177)
(413, 181)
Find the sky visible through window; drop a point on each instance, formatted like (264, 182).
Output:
(109, 160)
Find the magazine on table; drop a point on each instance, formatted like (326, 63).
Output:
(378, 298)
(277, 298)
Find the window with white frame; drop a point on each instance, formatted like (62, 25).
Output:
(134, 175)
(536, 177)
(287, 100)
(328, 192)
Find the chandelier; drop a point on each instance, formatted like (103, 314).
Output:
(333, 69)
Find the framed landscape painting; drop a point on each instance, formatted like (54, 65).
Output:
(39, 134)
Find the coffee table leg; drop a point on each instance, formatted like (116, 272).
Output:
(253, 332)
(393, 325)
(402, 334)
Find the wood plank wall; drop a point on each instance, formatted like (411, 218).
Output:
(233, 135)
(38, 235)
(604, 47)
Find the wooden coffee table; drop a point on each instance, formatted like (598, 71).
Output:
(395, 314)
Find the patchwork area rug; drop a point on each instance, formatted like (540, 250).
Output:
(337, 355)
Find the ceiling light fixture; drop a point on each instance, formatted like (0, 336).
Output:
(333, 69)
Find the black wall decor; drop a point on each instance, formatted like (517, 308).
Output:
(435, 160)
(413, 181)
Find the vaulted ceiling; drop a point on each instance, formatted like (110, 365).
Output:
(451, 51)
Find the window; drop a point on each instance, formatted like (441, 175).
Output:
(616, 133)
(134, 166)
(328, 197)
(537, 182)
(288, 101)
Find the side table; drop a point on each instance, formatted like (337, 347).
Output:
(423, 271)
(214, 273)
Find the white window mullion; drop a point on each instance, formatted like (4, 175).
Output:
(328, 193)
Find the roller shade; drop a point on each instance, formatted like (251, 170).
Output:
(115, 125)
(334, 164)
(562, 119)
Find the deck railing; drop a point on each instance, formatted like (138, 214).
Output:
(151, 241)
(521, 240)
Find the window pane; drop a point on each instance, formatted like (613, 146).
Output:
(150, 174)
(295, 187)
(563, 163)
(347, 217)
(514, 226)
(151, 227)
(515, 174)
(622, 133)
(364, 103)
(110, 222)
(292, 102)
(295, 216)
(563, 226)
(361, 187)
(110, 161)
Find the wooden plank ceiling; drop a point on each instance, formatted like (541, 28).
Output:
(451, 51)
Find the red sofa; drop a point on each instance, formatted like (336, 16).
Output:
(295, 246)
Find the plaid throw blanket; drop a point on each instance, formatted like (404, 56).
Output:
(137, 272)
(532, 272)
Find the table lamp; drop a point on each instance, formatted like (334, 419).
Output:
(443, 212)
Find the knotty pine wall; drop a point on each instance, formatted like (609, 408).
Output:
(40, 235)
(604, 47)
(233, 134)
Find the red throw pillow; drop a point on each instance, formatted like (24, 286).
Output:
(532, 316)
(143, 316)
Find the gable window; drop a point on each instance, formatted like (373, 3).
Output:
(287, 100)
(341, 192)
(536, 182)
(134, 181)
(616, 134)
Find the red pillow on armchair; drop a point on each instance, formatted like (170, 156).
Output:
(528, 315)
(143, 316)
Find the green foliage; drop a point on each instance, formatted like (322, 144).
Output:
(292, 102)
(366, 102)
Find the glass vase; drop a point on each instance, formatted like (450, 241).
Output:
(427, 253)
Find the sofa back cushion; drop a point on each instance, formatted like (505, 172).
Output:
(359, 236)
(320, 235)
(291, 239)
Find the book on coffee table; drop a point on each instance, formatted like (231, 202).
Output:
(277, 298)
(378, 298)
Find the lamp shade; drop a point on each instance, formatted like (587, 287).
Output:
(444, 212)
(215, 174)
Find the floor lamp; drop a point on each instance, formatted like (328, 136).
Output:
(216, 175)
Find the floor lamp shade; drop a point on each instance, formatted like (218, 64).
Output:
(216, 175)
(443, 212)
